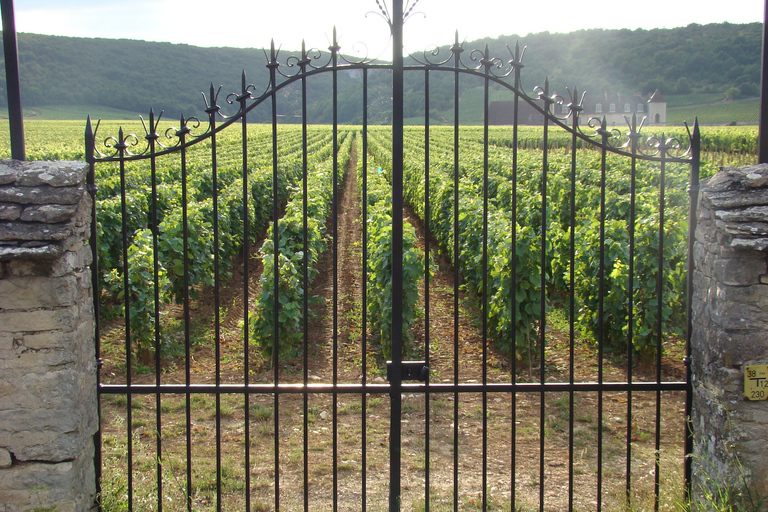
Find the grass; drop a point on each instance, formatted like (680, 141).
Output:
(81, 112)
(731, 112)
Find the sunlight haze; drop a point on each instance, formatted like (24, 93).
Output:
(434, 22)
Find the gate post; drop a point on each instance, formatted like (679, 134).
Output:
(48, 407)
(730, 333)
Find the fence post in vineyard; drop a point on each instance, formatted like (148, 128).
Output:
(48, 404)
(729, 337)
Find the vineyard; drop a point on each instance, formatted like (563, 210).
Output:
(503, 279)
(169, 214)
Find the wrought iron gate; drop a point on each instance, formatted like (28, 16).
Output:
(533, 301)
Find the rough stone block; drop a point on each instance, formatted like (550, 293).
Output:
(751, 214)
(54, 174)
(737, 348)
(43, 194)
(48, 213)
(5, 458)
(750, 244)
(6, 341)
(37, 231)
(64, 487)
(77, 259)
(734, 316)
(8, 173)
(56, 425)
(24, 267)
(46, 252)
(740, 271)
(31, 359)
(754, 176)
(9, 211)
(48, 340)
(39, 320)
(726, 198)
(749, 229)
(749, 295)
(38, 292)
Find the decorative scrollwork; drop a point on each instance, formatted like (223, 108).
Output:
(408, 11)
(550, 100)
(431, 57)
(242, 97)
(301, 62)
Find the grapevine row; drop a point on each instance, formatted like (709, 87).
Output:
(612, 321)
(183, 228)
(378, 214)
(292, 259)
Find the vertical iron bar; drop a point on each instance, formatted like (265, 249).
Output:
(664, 147)
(543, 290)
(484, 266)
(634, 139)
(127, 311)
(246, 295)
(364, 298)
(575, 109)
(152, 137)
(426, 290)
(457, 49)
(517, 62)
(212, 110)
(397, 254)
(335, 239)
(272, 65)
(12, 82)
(305, 277)
(90, 157)
(182, 133)
(693, 193)
(600, 311)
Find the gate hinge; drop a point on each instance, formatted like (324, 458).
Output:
(411, 370)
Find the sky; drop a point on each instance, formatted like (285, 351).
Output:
(434, 22)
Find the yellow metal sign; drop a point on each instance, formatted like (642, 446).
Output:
(756, 382)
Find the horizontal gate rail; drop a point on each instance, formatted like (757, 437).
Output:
(491, 387)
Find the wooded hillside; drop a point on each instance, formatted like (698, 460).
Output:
(136, 75)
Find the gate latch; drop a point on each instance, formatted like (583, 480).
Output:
(411, 370)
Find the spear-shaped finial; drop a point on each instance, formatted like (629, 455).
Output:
(456, 49)
(334, 48)
(90, 141)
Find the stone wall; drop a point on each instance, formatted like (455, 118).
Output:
(730, 330)
(48, 408)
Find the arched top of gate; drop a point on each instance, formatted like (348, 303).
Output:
(505, 70)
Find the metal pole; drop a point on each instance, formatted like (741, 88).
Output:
(15, 118)
(762, 138)
(397, 255)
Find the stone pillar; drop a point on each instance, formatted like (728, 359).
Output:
(730, 331)
(48, 405)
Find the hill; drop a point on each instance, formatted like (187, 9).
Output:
(136, 75)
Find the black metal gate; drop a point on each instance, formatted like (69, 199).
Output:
(531, 297)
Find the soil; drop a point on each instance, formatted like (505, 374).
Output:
(332, 450)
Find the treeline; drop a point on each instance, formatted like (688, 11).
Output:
(136, 75)
(696, 58)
